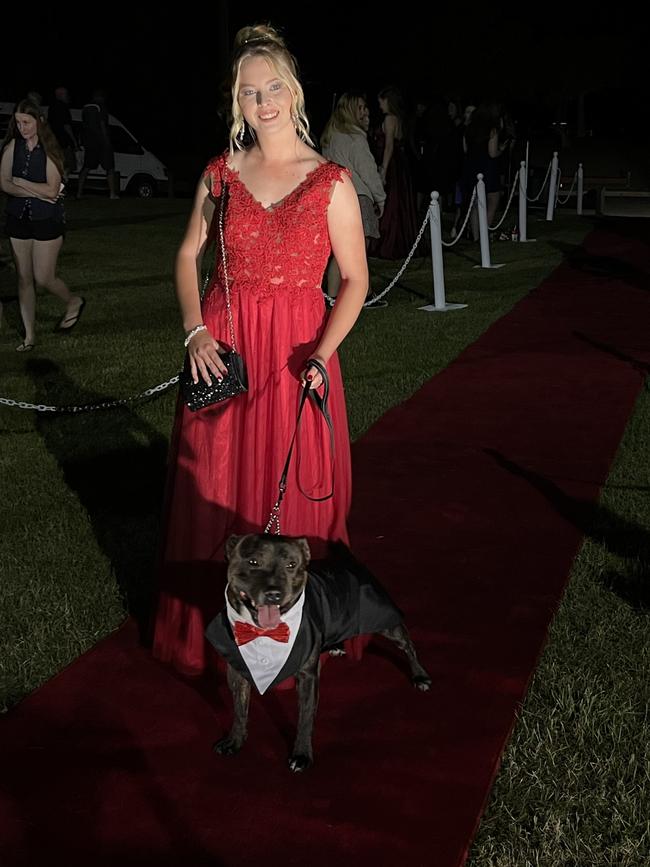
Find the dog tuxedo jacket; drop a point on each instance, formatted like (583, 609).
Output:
(337, 603)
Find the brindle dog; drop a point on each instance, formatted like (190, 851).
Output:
(266, 576)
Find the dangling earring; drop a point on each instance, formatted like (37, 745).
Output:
(242, 132)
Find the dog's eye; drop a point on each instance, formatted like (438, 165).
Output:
(252, 562)
(291, 565)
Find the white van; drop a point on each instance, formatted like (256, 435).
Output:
(141, 173)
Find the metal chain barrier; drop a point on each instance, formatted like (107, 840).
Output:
(377, 298)
(459, 235)
(505, 213)
(558, 200)
(548, 172)
(164, 386)
(90, 407)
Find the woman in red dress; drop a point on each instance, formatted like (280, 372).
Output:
(286, 209)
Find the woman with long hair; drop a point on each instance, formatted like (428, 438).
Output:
(482, 155)
(344, 141)
(286, 208)
(31, 169)
(398, 225)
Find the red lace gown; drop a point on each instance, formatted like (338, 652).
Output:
(226, 460)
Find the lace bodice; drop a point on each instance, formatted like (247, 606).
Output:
(282, 249)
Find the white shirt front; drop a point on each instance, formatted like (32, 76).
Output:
(264, 657)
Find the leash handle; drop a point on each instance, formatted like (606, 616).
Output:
(322, 405)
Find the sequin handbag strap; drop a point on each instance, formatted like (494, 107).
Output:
(222, 210)
(322, 404)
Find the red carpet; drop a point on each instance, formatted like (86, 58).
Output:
(469, 504)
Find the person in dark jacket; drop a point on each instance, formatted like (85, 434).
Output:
(98, 147)
(60, 121)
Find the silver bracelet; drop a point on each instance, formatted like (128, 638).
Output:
(194, 331)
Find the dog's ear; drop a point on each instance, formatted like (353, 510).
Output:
(303, 544)
(231, 544)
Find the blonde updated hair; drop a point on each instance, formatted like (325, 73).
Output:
(344, 117)
(262, 40)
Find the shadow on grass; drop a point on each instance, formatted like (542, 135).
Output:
(623, 538)
(469, 254)
(78, 223)
(8, 288)
(115, 463)
(134, 282)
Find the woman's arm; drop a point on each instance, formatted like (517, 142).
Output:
(71, 135)
(48, 191)
(364, 164)
(349, 249)
(390, 131)
(203, 348)
(493, 144)
(6, 182)
(190, 254)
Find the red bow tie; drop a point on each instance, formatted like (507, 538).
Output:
(245, 632)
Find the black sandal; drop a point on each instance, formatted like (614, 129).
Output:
(71, 319)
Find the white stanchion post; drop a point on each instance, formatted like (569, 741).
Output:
(527, 150)
(483, 227)
(483, 231)
(436, 252)
(523, 186)
(439, 304)
(523, 204)
(581, 189)
(552, 188)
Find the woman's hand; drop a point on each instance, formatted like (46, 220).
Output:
(29, 188)
(310, 375)
(205, 357)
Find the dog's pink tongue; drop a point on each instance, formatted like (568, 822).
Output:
(268, 616)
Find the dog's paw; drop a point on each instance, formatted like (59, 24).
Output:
(227, 747)
(422, 683)
(298, 763)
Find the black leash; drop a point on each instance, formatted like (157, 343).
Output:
(322, 404)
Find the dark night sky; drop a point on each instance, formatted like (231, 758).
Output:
(162, 68)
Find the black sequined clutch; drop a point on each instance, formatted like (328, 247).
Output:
(198, 395)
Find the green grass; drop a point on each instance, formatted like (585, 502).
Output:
(81, 495)
(574, 785)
